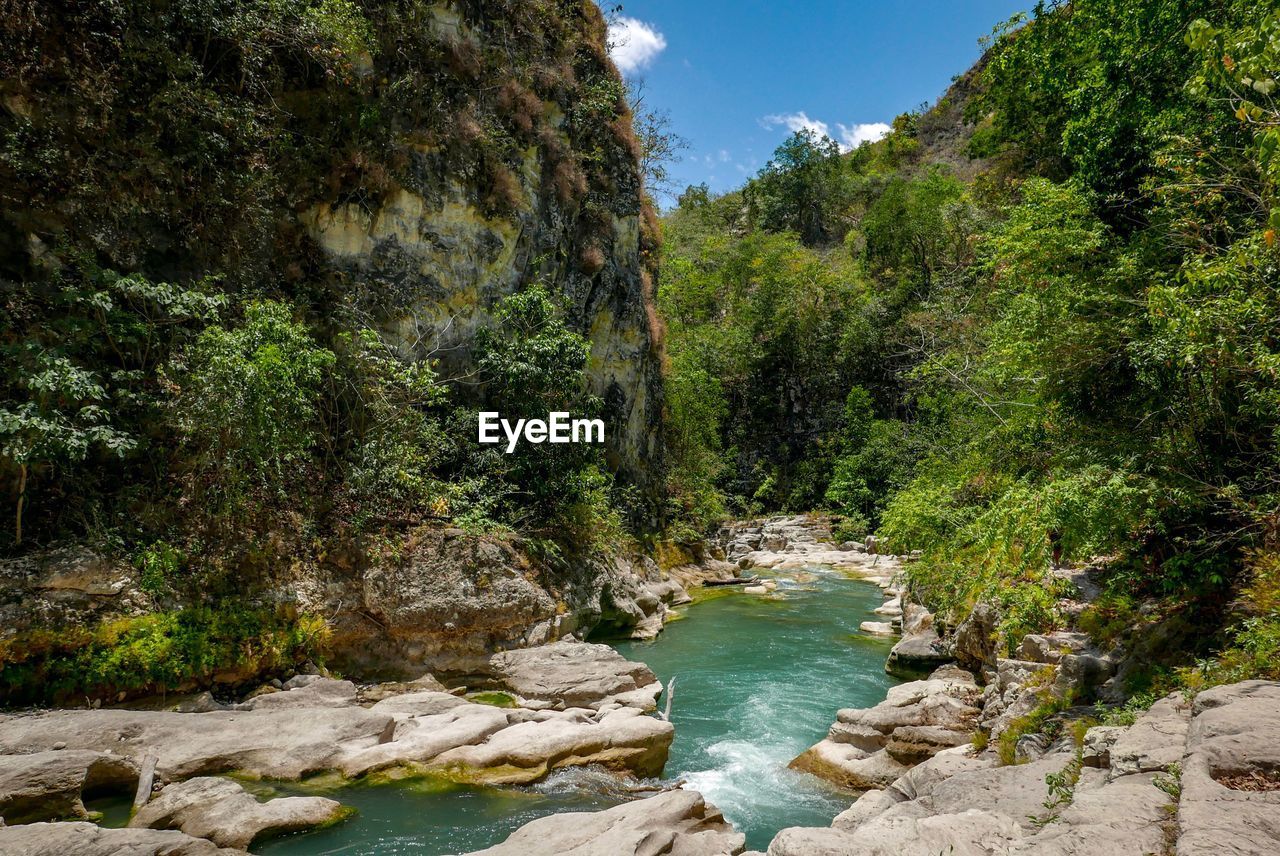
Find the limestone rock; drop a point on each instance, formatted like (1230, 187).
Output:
(1234, 738)
(913, 743)
(280, 744)
(1155, 741)
(223, 812)
(848, 766)
(1051, 647)
(918, 655)
(974, 642)
(89, 839)
(677, 822)
(48, 785)
(624, 740)
(578, 674)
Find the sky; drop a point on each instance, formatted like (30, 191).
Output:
(738, 77)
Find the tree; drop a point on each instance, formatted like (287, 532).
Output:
(660, 145)
(247, 402)
(803, 189)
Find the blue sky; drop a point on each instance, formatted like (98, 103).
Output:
(738, 77)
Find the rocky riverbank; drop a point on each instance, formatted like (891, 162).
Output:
(537, 710)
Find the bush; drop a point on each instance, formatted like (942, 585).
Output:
(156, 652)
(247, 404)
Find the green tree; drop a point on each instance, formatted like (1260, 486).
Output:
(247, 405)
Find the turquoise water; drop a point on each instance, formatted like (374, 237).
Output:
(758, 680)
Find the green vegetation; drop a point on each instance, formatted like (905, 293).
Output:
(496, 699)
(193, 385)
(1053, 339)
(186, 648)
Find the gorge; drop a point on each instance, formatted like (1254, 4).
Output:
(929, 500)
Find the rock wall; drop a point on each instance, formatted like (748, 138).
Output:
(558, 201)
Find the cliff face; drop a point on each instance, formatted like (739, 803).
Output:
(401, 165)
(532, 175)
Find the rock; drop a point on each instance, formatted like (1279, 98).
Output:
(870, 804)
(877, 628)
(1233, 739)
(201, 703)
(578, 674)
(453, 595)
(1050, 648)
(973, 833)
(1120, 818)
(912, 743)
(675, 822)
(281, 744)
(915, 619)
(49, 785)
(623, 740)
(89, 839)
(1155, 741)
(1080, 676)
(917, 655)
(1098, 741)
(755, 590)
(223, 812)
(305, 691)
(860, 736)
(974, 642)
(848, 766)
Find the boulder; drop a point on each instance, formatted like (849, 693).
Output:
(913, 743)
(89, 839)
(974, 642)
(1098, 741)
(1080, 675)
(848, 766)
(676, 822)
(223, 812)
(49, 785)
(575, 674)
(877, 628)
(623, 740)
(918, 655)
(1051, 647)
(305, 691)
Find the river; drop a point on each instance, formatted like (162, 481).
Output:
(758, 680)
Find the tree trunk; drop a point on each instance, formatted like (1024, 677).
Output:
(22, 498)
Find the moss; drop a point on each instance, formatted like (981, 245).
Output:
(163, 651)
(494, 699)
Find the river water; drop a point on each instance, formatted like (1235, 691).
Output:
(758, 680)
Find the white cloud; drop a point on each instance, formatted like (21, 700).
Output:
(633, 44)
(852, 136)
(848, 136)
(797, 122)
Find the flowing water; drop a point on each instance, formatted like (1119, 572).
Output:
(758, 680)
